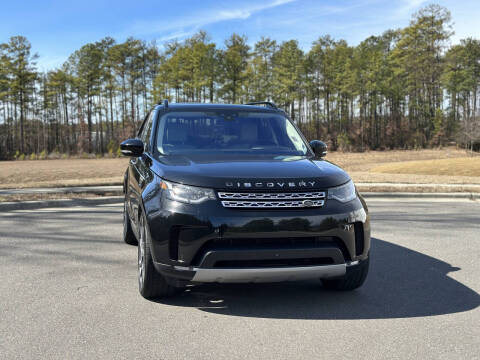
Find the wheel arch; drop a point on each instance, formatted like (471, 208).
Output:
(141, 211)
(125, 181)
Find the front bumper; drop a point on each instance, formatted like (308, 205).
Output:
(210, 243)
(254, 275)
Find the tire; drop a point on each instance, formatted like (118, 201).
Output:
(353, 279)
(128, 235)
(151, 283)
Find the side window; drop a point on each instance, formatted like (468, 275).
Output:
(147, 130)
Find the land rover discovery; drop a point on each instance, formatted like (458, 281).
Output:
(234, 193)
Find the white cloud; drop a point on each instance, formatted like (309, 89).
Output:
(175, 35)
(187, 25)
(49, 62)
(464, 26)
(407, 7)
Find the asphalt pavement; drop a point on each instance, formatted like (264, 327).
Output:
(68, 290)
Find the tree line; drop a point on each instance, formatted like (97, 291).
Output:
(407, 88)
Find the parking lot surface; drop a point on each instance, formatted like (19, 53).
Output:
(68, 289)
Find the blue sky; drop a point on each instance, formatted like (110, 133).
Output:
(57, 28)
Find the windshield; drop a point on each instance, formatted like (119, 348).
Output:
(232, 132)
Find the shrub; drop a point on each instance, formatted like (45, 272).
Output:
(111, 146)
(21, 157)
(343, 142)
(42, 155)
(54, 155)
(85, 155)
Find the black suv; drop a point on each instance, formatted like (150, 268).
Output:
(234, 193)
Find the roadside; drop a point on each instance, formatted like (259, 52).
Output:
(417, 188)
(89, 191)
(80, 192)
(61, 173)
(432, 171)
(26, 199)
(397, 166)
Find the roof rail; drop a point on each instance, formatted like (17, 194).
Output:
(266, 103)
(164, 103)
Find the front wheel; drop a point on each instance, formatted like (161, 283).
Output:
(353, 279)
(150, 282)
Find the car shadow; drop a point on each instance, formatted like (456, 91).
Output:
(402, 283)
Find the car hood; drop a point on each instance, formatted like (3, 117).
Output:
(232, 172)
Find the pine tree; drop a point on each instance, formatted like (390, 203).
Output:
(234, 61)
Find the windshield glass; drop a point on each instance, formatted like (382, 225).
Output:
(232, 132)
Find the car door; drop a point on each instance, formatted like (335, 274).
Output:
(138, 174)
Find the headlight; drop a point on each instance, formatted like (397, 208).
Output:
(187, 194)
(343, 193)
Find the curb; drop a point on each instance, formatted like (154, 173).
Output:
(92, 190)
(59, 203)
(453, 195)
(31, 205)
(468, 190)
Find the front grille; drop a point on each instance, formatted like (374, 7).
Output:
(273, 199)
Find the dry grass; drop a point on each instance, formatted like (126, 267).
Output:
(458, 167)
(365, 161)
(363, 167)
(371, 177)
(70, 172)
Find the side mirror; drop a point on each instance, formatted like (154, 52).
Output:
(132, 147)
(319, 148)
